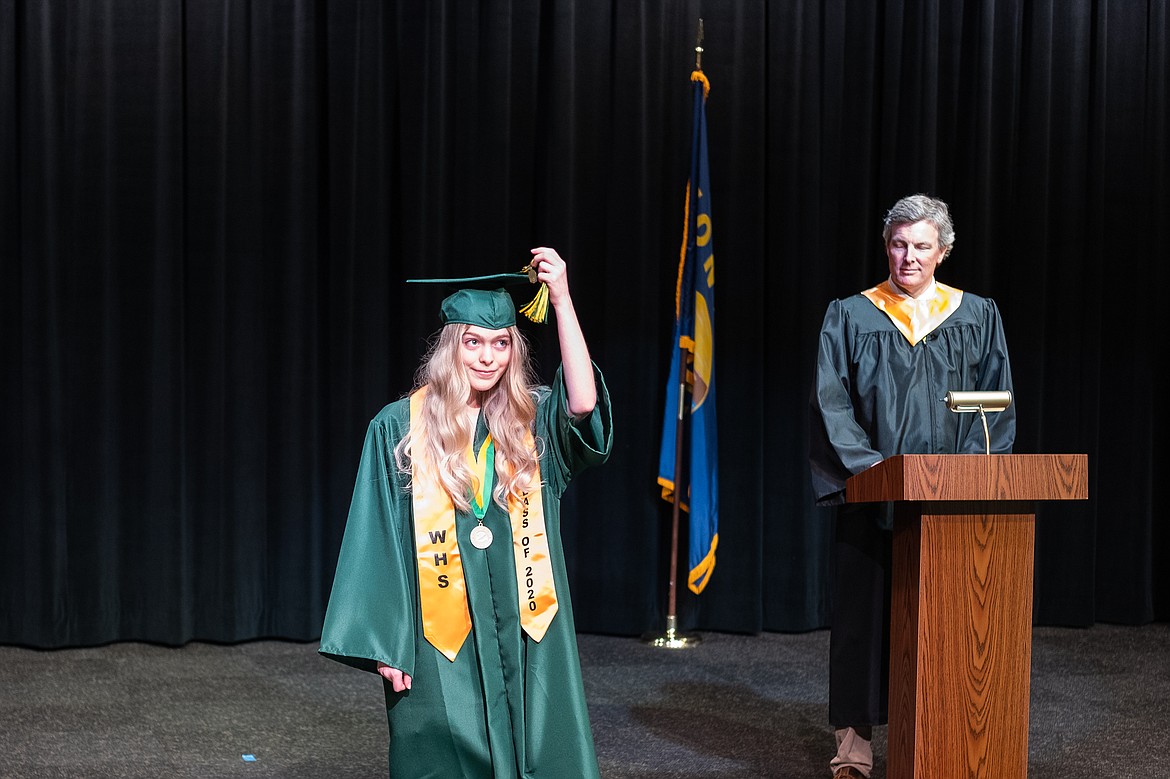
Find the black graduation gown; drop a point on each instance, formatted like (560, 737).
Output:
(875, 395)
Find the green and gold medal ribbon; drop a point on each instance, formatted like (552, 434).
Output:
(484, 468)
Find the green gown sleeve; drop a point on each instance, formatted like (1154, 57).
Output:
(574, 444)
(371, 611)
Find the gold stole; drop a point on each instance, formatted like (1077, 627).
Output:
(903, 312)
(441, 585)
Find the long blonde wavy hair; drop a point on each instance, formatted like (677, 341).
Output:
(509, 408)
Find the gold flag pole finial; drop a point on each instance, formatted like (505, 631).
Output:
(699, 46)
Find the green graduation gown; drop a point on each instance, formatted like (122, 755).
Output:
(507, 706)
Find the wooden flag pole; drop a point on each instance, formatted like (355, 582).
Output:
(672, 639)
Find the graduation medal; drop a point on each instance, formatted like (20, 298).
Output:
(481, 537)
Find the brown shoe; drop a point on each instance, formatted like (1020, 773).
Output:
(848, 772)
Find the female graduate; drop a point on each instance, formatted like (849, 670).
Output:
(451, 579)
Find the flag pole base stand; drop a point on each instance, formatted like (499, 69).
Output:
(671, 639)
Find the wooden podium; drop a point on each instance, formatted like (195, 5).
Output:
(961, 604)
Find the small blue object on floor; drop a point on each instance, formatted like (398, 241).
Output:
(248, 758)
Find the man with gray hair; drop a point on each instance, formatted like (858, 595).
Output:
(886, 360)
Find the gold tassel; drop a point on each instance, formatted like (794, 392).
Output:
(537, 309)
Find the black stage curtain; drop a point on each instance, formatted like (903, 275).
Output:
(208, 209)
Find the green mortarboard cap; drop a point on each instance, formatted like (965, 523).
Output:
(483, 301)
(492, 309)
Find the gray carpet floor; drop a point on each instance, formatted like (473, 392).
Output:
(730, 706)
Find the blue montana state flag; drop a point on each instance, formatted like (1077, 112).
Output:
(693, 347)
